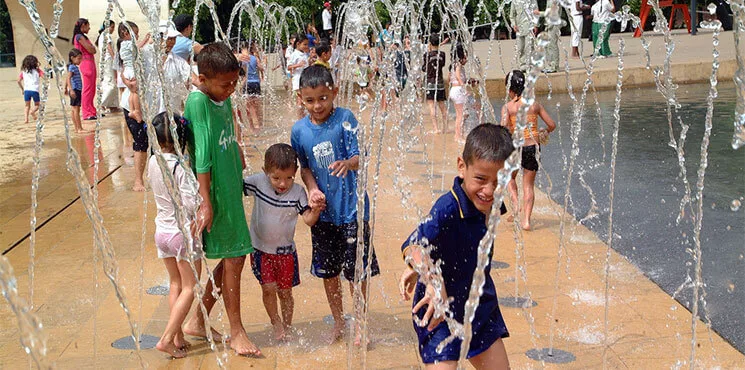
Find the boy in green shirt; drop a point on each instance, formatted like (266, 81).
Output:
(218, 162)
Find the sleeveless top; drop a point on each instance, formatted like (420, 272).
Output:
(530, 132)
(252, 71)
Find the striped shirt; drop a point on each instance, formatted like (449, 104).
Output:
(75, 79)
(274, 215)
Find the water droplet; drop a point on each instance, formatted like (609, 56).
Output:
(673, 308)
(713, 205)
(662, 201)
(731, 287)
(350, 241)
(729, 227)
(735, 205)
(712, 8)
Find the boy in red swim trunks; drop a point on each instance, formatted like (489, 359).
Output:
(279, 200)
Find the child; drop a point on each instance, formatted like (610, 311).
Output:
(296, 64)
(454, 228)
(74, 87)
(127, 54)
(28, 81)
(278, 202)
(533, 138)
(323, 51)
(363, 74)
(458, 92)
(218, 162)
(434, 60)
(326, 144)
(601, 18)
(169, 240)
(252, 65)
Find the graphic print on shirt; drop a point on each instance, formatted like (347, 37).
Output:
(324, 154)
(226, 139)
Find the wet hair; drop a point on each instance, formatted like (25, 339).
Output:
(280, 156)
(104, 27)
(76, 30)
(182, 22)
(72, 54)
(323, 47)
(300, 37)
(163, 132)
(488, 142)
(434, 39)
(316, 75)
(515, 82)
(30, 63)
(217, 58)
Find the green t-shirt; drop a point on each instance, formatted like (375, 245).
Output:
(214, 149)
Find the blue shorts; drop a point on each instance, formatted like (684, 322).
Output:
(28, 95)
(335, 250)
(485, 334)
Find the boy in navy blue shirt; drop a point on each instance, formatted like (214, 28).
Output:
(326, 144)
(453, 230)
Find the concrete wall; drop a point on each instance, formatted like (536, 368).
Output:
(25, 39)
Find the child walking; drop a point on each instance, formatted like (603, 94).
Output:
(515, 81)
(453, 230)
(74, 87)
(253, 66)
(218, 162)
(458, 92)
(296, 64)
(28, 81)
(169, 240)
(279, 201)
(326, 144)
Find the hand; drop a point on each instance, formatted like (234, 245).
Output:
(67, 92)
(73, 94)
(339, 168)
(407, 283)
(204, 217)
(430, 300)
(317, 199)
(243, 157)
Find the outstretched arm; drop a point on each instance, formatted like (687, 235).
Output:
(546, 118)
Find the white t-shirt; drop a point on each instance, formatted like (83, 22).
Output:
(296, 57)
(165, 220)
(601, 11)
(573, 8)
(326, 16)
(274, 216)
(31, 80)
(177, 76)
(288, 56)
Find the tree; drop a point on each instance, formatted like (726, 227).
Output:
(7, 51)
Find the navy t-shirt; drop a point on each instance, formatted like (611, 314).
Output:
(454, 229)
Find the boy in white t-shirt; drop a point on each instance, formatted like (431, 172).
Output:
(278, 202)
(601, 24)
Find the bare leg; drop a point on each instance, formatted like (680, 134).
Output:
(140, 160)
(287, 303)
(134, 105)
(528, 197)
(269, 297)
(333, 295)
(493, 358)
(512, 187)
(26, 110)
(180, 308)
(196, 325)
(76, 119)
(359, 311)
(433, 115)
(442, 365)
(444, 112)
(458, 122)
(231, 280)
(34, 110)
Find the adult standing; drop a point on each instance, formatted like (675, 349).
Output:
(87, 67)
(328, 27)
(522, 13)
(184, 44)
(577, 22)
(109, 93)
(554, 31)
(601, 24)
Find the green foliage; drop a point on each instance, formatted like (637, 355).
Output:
(6, 31)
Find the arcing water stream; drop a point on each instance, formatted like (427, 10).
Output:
(270, 25)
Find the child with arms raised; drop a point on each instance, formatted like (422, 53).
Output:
(169, 240)
(218, 162)
(326, 144)
(454, 228)
(279, 201)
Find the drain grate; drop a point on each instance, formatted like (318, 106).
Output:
(158, 290)
(552, 356)
(146, 342)
(516, 302)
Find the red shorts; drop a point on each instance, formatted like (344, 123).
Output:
(281, 269)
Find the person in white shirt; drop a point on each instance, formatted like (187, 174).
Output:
(576, 25)
(601, 23)
(296, 64)
(328, 27)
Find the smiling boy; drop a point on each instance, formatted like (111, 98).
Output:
(456, 225)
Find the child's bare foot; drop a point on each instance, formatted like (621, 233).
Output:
(279, 332)
(510, 217)
(180, 342)
(526, 226)
(138, 187)
(336, 332)
(243, 346)
(171, 349)
(196, 330)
